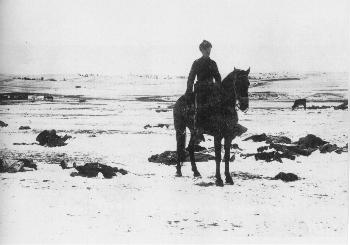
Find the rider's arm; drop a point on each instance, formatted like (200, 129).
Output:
(191, 78)
(216, 74)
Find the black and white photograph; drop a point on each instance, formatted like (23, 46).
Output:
(174, 122)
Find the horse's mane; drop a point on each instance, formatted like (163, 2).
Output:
(227, 83)
(227, 92)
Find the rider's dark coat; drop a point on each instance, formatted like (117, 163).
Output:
(206, 70)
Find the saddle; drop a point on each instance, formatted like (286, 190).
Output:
(211, 93)
(214, 104)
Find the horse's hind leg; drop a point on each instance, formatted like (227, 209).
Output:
(193, 160)
(217, 146)
(178, 168)
(227, 147)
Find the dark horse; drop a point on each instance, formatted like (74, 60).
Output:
(299, 102)
(221, 121)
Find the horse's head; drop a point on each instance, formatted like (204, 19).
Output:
(237, 82)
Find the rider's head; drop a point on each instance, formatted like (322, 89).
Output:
(205, 48)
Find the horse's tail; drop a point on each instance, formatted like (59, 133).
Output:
(179, 113)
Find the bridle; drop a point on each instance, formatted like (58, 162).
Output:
(238, 97)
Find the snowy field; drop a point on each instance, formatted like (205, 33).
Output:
(106, 115)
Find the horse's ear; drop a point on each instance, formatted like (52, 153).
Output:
(248, 70)
(234, 68)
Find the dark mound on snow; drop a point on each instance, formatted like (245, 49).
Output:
(305, 146)
(17, 165)
(51, 139)
(2, 124)
(310, 141)
(92, 170)
(269, 138)
(170, 157)
(286, 177)
(343, 106)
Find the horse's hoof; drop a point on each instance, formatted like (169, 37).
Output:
(178, 174)
(219, 182)
(197, 174)
(229, 180)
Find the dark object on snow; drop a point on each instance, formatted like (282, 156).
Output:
(92, 170)
(12, 166)
(24, 127)
(170, 157)
(64, 165)
(343, 106)
(2, 166)
(293, 149)
(273, 156)
(122, 171)
(278, 139)
(269, 138)
(77, 86)
(333, 147)
(299, 102)
(304, 146)
(159, 125)
(310, 141)
(14, 96)
(162, 110)
(81, 100)
(287, 151)
(23, 143)
(235, 146)
(162, 125)
(315, 107)
(245, 155)
(257, 138)
(51, 139)
(286, 177)
(48, 97)
(167, 157)
(28, 163)
(2, 124)
(263, 148)
(16, 165)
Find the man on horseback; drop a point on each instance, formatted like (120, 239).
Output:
(206, 71)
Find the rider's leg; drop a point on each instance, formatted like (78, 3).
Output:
(201, 110)
(198, 118)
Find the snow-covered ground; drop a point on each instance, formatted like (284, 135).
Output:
(150, 204)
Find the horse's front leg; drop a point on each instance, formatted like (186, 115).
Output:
(191, 153)
(217, 146)
(227, 147)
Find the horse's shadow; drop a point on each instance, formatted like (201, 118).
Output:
(205, 184)
(237, 176)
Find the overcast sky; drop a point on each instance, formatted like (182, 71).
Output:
(117, 37)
